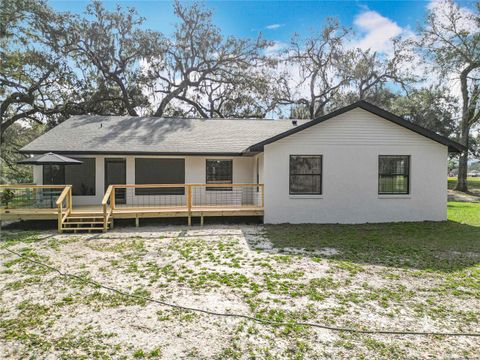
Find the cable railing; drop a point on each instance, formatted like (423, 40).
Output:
(227, 195)
(36, 200)
(184, 196)
(29, 196)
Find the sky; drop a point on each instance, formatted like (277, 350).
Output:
(374, 22)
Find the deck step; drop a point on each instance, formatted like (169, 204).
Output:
(82, 229)
(84, 222)
(80, 216)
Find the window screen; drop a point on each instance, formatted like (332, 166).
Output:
(306, 174)
(160, 171)
(393, 174)
(81, 177)
(54, 174)
(219, 172)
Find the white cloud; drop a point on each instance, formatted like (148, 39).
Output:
(274, 26)
(376, 31)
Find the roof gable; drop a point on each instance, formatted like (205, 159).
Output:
(453, 146)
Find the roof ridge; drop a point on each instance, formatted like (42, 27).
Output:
(184, 118)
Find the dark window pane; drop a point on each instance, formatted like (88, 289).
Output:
(81, 177)
(53, 174)
(309, 184)
(305, 174)
(219, 172)
(393, 174)
(305, 164)
(160, 171)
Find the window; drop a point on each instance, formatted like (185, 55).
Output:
(305, 174)
(160, 171)
(80, 176)
(393, 174)
(54, 174)
(219, 172)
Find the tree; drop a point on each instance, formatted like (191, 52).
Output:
(200, 68)
(321, 69)
(15, 137)
(108, 48)
(381, 96)
(370, 72)
(451, 37)
(433, 108)
(35, 80)
(252, 95)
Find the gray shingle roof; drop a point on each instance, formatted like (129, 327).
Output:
(148, 135)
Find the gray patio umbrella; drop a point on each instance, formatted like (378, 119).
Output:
(49, 159)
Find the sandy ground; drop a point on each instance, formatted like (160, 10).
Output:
(231, 269)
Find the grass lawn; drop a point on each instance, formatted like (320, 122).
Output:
(407, 245)
(473, 184)
(415, 276)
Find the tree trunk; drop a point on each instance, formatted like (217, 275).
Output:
(463, 161)
(169, 97)
(462, 173)
(464, 132)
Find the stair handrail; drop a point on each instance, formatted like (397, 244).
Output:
(106, 215)
(65, 195)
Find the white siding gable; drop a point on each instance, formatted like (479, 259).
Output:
(358, 127)
(350, 144)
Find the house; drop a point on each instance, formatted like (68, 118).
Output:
(357, 164)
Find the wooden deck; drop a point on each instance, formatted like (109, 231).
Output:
(133, 213)
(235, 200)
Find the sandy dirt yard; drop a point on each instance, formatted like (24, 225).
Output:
(232, 269)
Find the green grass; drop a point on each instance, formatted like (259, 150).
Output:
(473, 183)
(438, 246)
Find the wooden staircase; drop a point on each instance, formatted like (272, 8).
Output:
(85, 221)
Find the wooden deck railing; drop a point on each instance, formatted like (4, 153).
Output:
(29, 196)
(42, 201)
(28, 201)
(187, 196)
(64, 204)
(108, 204)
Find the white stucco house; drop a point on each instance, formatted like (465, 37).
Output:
(355, 165)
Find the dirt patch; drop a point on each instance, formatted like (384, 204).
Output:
(230, 269)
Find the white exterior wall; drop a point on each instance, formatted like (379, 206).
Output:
(350, 144)
(195, 173)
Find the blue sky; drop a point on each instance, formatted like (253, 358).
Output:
(278, 20)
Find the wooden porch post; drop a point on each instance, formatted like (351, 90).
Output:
(189, 203)
(60, 216)
(112, 198)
